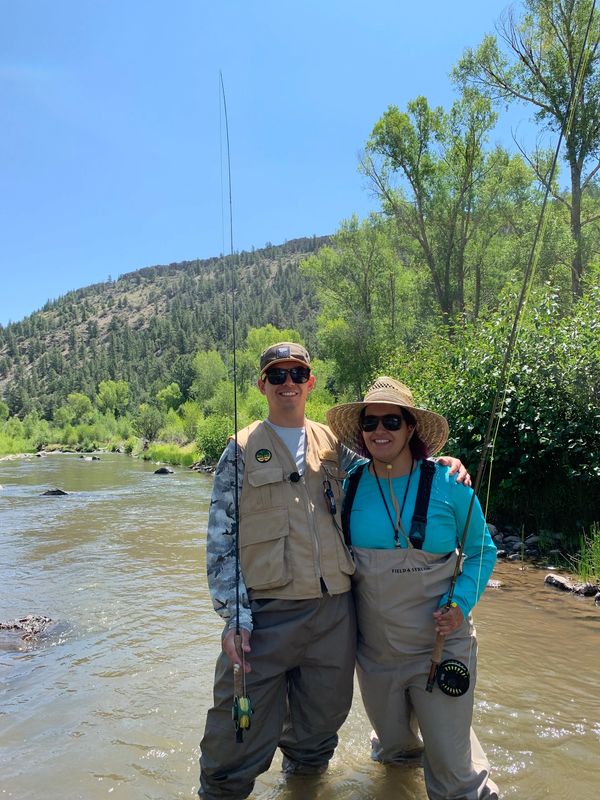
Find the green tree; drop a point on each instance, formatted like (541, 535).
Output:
(172, 429)
(4, 411)
(113, 396)
(183, 374)
(170, 397)
(221, 403)
(14, 428)
(322, 397)
(257, 341)
(252, 405)
(191, 414)
(63, 416)
(37, 430)
(534, 60)
(81, 406)
(209, 371)
(450, 198)
(546, 459)
(212, 436)
(148, 422)
(364, 294)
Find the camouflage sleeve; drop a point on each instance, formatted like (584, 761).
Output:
(220, 542)
(348, 458)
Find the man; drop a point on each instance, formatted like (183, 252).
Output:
(295, 609)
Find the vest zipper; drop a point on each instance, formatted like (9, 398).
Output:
(311, 514)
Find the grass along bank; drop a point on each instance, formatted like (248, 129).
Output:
(586, 562)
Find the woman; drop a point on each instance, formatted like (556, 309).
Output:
(404, 574)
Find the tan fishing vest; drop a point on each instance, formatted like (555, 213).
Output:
(288, 539)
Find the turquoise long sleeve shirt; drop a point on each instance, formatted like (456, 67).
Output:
(371, 526)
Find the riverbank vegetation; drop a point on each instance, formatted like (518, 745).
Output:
(586, 561)
(425, 289)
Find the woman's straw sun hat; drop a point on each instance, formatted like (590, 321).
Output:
(343, 420)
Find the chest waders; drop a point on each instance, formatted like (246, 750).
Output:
(435, 572)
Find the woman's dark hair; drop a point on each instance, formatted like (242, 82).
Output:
(418, 448)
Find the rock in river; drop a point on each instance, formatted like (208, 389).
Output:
(29, 626)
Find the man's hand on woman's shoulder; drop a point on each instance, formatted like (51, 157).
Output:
(456, 468)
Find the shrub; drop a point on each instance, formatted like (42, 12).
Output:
(171, 454)
(173, 429)
(130, 445)
(10, 445)
(191, 415)
(148, 421)
(587, 562)
(546, 460)
(252, 405)
(212, 437)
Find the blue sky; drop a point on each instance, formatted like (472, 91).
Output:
(110, 126)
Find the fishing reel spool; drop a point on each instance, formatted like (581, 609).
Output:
(453, 677)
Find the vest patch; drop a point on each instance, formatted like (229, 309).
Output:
(263, 455)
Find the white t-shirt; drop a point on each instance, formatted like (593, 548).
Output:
(295, 441)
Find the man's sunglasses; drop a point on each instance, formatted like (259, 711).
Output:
(278, 375)
(391, 422)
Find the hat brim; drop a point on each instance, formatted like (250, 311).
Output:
(343, 420)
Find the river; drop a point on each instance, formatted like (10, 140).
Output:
(112, 703)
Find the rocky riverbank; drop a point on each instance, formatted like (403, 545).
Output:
(200, 466)
(513, 547)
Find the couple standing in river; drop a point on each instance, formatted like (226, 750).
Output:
(293, 596)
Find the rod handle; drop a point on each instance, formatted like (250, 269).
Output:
(436, 658)
(238, 675)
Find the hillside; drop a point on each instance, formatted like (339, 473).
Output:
(145, 326)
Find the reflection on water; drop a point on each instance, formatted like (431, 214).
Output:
(111, 702)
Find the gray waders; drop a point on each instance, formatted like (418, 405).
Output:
(396, 592)
(302, 659)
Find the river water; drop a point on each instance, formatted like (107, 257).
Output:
(111, 704)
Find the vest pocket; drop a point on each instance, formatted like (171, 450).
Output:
(267, 487)
(263, 536)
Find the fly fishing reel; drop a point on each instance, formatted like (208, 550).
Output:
(453, 677)
(241, 710)
(241, 713)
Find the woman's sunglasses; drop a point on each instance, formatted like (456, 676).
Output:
(278, 375)
(391, 422)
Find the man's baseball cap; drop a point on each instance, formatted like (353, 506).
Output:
(284, 351)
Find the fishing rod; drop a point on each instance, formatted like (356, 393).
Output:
(241, 711)
(452, 675)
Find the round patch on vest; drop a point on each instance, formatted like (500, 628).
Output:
(263, 456)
